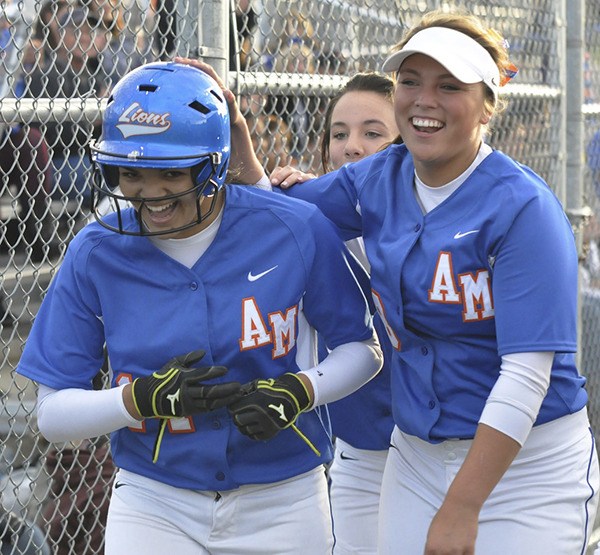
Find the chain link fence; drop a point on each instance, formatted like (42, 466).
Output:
(284, 59)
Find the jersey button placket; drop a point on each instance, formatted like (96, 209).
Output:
(194, 286)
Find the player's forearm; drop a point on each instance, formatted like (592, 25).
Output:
(490, 455)
(345, 369)
(75, 414)
(512, 407)
(244, 162)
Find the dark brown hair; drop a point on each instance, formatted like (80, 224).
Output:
(360, 82)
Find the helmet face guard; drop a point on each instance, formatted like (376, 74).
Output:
(163, 116)
(107, 197)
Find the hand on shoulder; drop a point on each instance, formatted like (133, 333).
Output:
(286, 176)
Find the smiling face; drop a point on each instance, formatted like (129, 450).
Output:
(149, 189)
(440, 118)
(362, 122)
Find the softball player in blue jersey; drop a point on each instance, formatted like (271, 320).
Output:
(474, 271)
(359, 121)
(205, 298)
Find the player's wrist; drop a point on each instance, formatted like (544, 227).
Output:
(142, 392)
(300, 387)
(129, 402)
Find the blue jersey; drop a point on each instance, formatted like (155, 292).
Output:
(276, 269)
(490, 271)
(364, 418)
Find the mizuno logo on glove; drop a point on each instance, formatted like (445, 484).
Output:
(179, 389)
(269, 406)
(279, 408)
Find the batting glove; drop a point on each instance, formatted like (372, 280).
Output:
(269, 406)
(177, 390)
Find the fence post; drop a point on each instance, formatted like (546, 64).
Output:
(573, 101)
(213, 35)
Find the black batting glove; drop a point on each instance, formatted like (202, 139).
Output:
(268, 406)
(177, 389)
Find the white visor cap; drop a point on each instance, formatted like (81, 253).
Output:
(461, 55)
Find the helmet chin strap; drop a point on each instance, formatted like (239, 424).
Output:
(217, 198)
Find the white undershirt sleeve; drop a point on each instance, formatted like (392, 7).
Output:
(76, 414)
(344, 370)
(264, 183)
(515, 400)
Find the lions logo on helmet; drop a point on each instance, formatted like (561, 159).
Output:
(162, 115)
(134, 121)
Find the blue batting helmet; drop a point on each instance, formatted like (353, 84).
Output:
(163, 115)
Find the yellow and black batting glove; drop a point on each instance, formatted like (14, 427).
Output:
(178, 389)
(269, 406)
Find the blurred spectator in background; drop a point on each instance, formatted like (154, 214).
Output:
(299, 26)
(593, 161)
(26, 173)
(128, 47)
(46, 34)
(73, 72)
(252, 104)
(272, 140)
(76, 515)
(588, 81)
(296, 55)
(330, 61)
(246, 28)
(296, 29)
(294, 49)
(166, 28)
(590, 282)
(18, 535)
(591, 265)
(20, 177)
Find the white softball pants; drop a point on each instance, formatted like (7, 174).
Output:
(355, 484)
(545, 503)
(291, 517)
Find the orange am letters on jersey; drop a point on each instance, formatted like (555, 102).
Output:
(256, 334)
(475, 290)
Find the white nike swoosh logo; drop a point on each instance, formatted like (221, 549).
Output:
(252, 277)
(459, 235)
